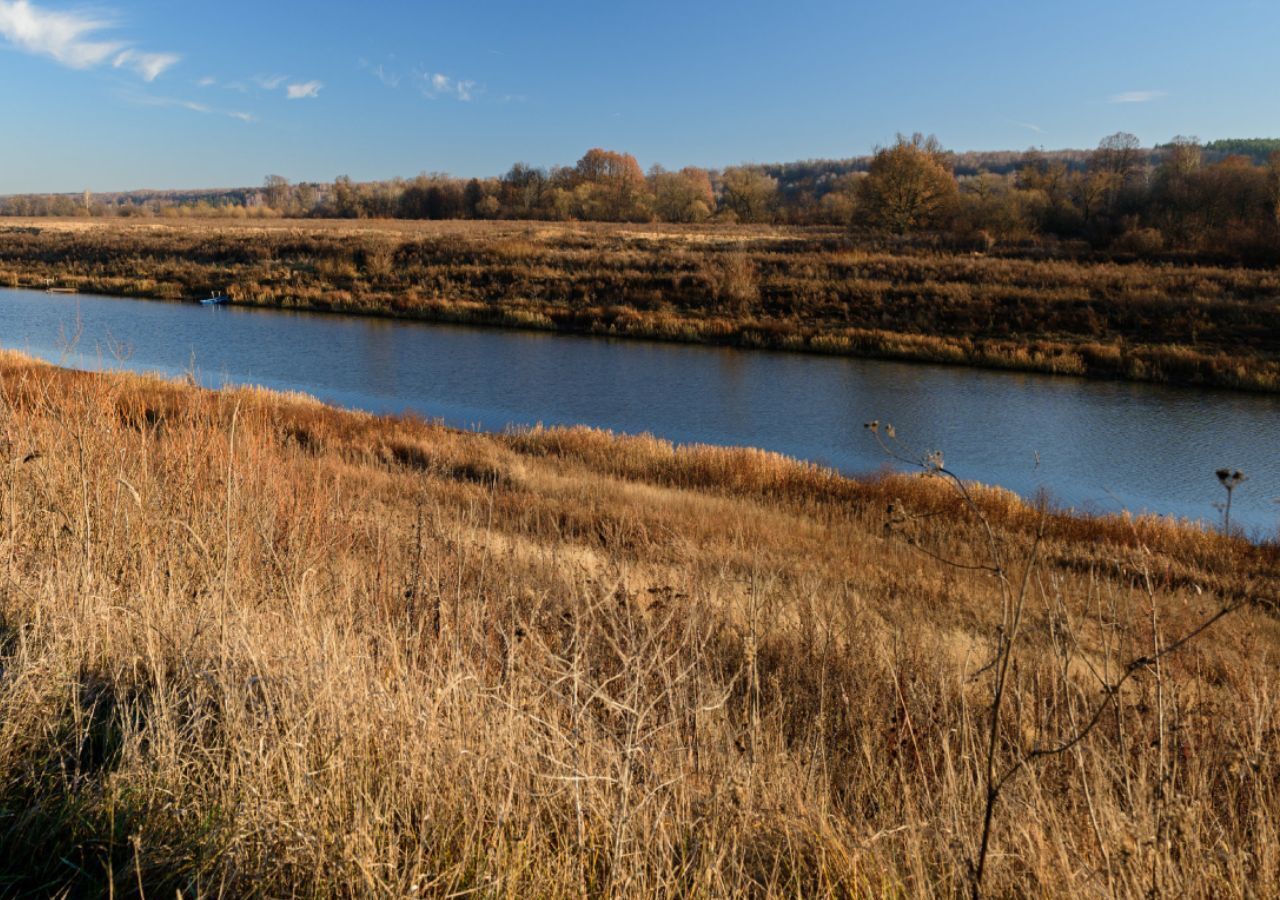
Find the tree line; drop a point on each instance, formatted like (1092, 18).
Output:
(1221, 198)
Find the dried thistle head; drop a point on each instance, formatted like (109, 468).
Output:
(1231, 478)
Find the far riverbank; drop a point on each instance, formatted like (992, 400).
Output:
(792, 289)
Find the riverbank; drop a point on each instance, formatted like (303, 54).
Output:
(806, 290)
(256, 645)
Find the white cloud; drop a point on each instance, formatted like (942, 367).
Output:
(207, 81)
(1137, 96)
(1030, 127)
(66, 37)
(73, 39)
(269, 82)
(306, 90)
(149, 65)
(437, 84)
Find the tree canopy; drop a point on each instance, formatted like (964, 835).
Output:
(909, 185)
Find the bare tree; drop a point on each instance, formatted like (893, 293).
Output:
(276, 191)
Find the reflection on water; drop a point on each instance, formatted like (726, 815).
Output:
(1092, 445)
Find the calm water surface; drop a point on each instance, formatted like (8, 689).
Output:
(1093, 445)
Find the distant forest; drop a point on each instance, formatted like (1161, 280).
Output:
(1220, 198)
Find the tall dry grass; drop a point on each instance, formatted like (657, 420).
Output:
(252, 646)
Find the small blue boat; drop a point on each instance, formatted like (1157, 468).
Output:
(215, 300)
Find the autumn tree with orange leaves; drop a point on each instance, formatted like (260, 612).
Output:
(611, 186)
(909, 186)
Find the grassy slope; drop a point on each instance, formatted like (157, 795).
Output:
(799, 289)
(253, 645)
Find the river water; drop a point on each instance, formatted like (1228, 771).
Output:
(1094, 446)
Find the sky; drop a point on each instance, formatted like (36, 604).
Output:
(128, 94)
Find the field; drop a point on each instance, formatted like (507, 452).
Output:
(1182, 320)
(254, 646)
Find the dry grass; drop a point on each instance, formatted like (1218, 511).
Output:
(253, 646)
(805, 289)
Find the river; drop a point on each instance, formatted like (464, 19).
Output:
(1094, 446)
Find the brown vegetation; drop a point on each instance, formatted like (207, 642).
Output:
(817, 290)
(1220, 200)
(256, 646)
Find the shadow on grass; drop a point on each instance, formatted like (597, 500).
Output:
(66, 829)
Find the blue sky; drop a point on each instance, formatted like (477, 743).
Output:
(159, 93)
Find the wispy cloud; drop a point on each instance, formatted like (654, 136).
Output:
(292, 88)
(65, 37)
(140, 99)
(437, 84)
(1137, 96)
(75, 39)
(269, 82)
(432, 85)
(389, 77)
(305, 91)
(1030, 127)
(149, 65)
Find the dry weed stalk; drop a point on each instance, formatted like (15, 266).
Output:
(996, 772)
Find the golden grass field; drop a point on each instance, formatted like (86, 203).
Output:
(815, 289)
(254, 646)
